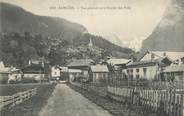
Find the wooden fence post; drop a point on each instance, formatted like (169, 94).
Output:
(177, 105)
(144, 98)
(16, 98)
(172, 100)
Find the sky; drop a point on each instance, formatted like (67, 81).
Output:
(123, 22)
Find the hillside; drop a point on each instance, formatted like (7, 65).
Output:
(169, 33)
(16, 19)
(53, 38)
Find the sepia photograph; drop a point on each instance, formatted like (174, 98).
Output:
(91, 57)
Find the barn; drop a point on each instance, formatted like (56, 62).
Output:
(33, 73)
(98, 73)
(82, 65)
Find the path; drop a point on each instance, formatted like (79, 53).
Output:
(67, 102)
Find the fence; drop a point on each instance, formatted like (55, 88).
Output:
(147, 84)
(120, 94)
(162, 102)
(10, 101)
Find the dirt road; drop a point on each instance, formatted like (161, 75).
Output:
(67, 102)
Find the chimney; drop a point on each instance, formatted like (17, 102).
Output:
(152, 56)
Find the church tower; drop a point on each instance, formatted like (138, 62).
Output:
(90, 43)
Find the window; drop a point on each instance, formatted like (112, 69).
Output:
(137, 73)
(131, 74)
(144, 71)
(97, 76)
(137, 76)
(103, 76)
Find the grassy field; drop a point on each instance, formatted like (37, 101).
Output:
(114, 107)
(31, 107)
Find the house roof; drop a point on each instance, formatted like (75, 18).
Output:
(99, 68)
(172, 55)
(37, 58)
(115, 61)
(139, 55)
(175, 68)
(81, 62)
(57, 66)
(35, 68)
(149, 55)
(64, 69)
(14, 70)
(1, 65)
(5, 70)
(142, 62)
(150, 62)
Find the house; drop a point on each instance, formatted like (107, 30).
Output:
(148, 66)
(116, 67)
(15, 76)
(83, 65)
(59, 73)
(64, 73)
(9, 74)
(36, 60)
(98, 73)
(55, 72)
(174, 73)
(33, 73)
(4, 73)
(74, 74)
(43, 63)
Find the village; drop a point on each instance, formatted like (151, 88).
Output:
(147, 66)
(151, 79)
(96, 58)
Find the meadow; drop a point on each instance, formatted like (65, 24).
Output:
(30, 107)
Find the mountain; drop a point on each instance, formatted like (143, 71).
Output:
(169, 33)
(16, 19)
(25, 35)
